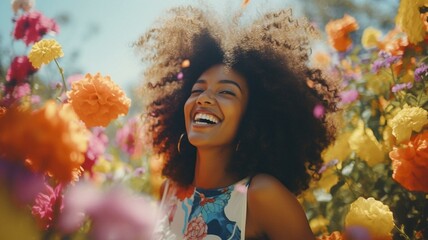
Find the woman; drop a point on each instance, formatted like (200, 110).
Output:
(230, 108)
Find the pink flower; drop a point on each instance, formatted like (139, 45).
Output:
(78, 199)
(348, 96)
(196, 229)
(319, 111)
(13, 93)
(128, 137)
(121, 215)
(20, 69)
(47, 206)
(114, 214)
(96, 147)
(32, 26)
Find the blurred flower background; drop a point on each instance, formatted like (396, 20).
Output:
(75, 163)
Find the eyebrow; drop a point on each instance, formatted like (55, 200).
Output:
(221, 81)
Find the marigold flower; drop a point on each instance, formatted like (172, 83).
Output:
(32, 26)
(45, 51)
(20, 69)
(409, 163)
(372, 215)
(338, 32)
(406, 121)
(57, 139)
(370, 37)
(24, 5)
(410, 21)
(97, 100)
(366, 146)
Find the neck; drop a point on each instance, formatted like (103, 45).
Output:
(210, 168)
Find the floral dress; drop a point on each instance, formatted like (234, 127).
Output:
(196, 213)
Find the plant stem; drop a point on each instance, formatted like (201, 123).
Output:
(402, 233)
(61, 71)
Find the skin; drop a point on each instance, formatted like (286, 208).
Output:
(272, 210)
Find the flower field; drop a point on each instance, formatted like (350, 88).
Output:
(76, 164)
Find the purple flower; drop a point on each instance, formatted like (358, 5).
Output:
(385, 60)
(401, 86)
(24, 184)
(349, 96)
(421, 72)
(357, 232)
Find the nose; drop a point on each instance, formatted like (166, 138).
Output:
(205, 98)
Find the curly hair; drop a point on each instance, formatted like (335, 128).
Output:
(278, 134)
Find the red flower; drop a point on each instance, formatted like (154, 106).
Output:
(196, 229)
(20, 69)
(32, 26)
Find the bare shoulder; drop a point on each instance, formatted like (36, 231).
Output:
(275, 211)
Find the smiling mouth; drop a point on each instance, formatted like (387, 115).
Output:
(205, 119)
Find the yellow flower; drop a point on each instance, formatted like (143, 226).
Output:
(409, 19)
(406, 121)
(319, 224)
(339, 150)
(45, 51)
(328, 179)
(366, 146)
(97, 100)
(370, 37)
(50, 140)
(372, 215)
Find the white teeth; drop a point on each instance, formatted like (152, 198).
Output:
(206, 118)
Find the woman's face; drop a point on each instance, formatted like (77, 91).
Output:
(215, 107)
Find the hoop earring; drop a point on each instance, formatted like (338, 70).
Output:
(237, 146)
(179, 142)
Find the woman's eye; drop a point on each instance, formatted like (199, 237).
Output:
(194, 91)
(228, 92)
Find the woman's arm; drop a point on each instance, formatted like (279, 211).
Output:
(275, 211)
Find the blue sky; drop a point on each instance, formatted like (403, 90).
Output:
(118, 24)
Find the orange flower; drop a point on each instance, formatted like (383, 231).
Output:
(334, 236)
(409, 163)
(338, 32)
(50, 140)
(395, 42)
(97, 100)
